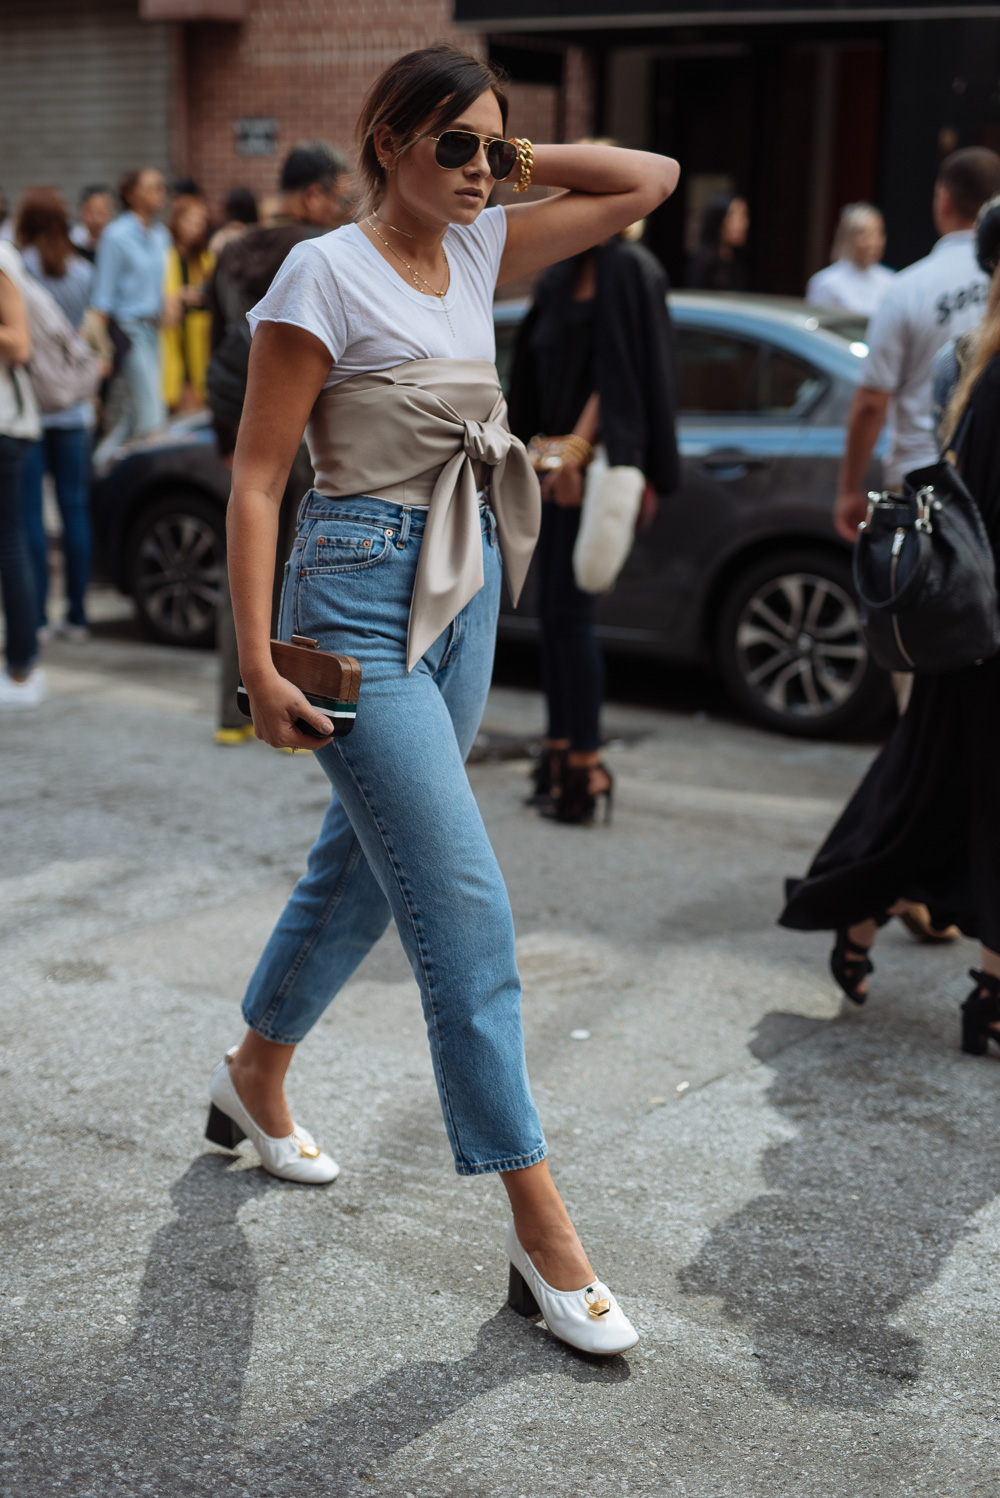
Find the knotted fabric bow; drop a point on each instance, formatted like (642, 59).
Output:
(428, 421)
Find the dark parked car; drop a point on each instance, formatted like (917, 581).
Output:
(741, 570)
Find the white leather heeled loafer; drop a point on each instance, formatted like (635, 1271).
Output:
(589, 1319)
(296, 1157)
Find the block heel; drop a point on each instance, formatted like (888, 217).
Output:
(519, 1297)
(222, 1130)
(589, 1319)
(293, 1157)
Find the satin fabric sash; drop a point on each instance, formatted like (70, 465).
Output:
(427, 425)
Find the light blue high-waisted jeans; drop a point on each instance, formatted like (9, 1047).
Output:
(403, 838)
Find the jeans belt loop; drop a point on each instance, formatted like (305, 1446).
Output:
(404, 527)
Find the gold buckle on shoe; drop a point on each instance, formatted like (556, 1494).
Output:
(597, 1307)
(310, 1151)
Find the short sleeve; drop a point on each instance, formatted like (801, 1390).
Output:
(883, 369)
(10, 262)
(305, 293)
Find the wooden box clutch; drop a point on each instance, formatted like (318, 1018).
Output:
(330, 682)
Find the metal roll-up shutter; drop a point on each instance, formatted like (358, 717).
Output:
(85, 90)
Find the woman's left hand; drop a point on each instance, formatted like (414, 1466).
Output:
(565, 486)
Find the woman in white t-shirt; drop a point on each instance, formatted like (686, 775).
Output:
(22, 684)
(378, 340)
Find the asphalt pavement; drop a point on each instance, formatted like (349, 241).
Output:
(797, 1205)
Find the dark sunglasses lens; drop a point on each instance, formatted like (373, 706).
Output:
(501, 156)
(455, 148)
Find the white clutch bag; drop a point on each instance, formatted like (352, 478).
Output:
(611, 501)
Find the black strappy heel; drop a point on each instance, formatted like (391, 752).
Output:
(980, 1013)
(576, 803)
(546, 776)
(849, 963)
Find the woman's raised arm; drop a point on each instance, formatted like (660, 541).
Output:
(608, 188)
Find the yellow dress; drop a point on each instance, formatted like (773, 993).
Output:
(185, 349)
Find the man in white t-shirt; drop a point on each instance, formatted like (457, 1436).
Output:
(927, 304)
(856, 281)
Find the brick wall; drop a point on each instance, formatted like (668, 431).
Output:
(308, 63)
(305, 63)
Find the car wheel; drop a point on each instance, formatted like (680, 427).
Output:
(175, 556)
(791, 650)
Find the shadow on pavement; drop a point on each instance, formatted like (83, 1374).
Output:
(897, 1145)
(165, 1419)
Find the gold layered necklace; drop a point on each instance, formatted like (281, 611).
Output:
(419, 281)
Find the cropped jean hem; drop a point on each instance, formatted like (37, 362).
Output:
(492, 1167)
(261, 1028)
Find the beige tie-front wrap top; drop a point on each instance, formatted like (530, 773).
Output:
(422, 433)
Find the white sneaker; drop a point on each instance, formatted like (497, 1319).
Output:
(296, 1157)
(590, 1319)
(78, 632)
(27, 693)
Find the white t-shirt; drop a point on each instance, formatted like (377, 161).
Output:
(927, 304)
(18, 407)
(847, 285)
(339, 288)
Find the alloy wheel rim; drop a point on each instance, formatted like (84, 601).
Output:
(799, 645)
(179, 574)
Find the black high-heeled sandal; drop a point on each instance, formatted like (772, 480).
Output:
(980, 1012)
(547, 776)
(576, 803)
(849, 963)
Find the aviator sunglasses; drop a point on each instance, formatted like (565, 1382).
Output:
(456, 148)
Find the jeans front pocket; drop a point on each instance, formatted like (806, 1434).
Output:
(343, 545)
(349, 584)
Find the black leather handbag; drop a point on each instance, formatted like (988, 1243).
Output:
(925, 576)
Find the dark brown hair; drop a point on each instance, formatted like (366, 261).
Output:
(127, 185)
(421, 90)
(42, 221)
(970, 176)
(181, 205)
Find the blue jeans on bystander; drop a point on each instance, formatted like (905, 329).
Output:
(145, 409)
(16, 581)
(65, 453)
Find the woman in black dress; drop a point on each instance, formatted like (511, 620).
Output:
(593, 363)
(924, 825)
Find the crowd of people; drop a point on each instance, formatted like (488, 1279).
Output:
(135, 306)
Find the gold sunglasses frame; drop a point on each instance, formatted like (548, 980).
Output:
(484, 140)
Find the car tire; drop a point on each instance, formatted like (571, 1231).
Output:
(791, 651)
(173, 568)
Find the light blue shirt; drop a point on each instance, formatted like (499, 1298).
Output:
(130, 267)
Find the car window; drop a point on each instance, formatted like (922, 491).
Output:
(721, 375)
(715, 373)
(785, 384)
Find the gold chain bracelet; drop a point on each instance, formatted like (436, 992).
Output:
(547, 454)
(526, 163)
